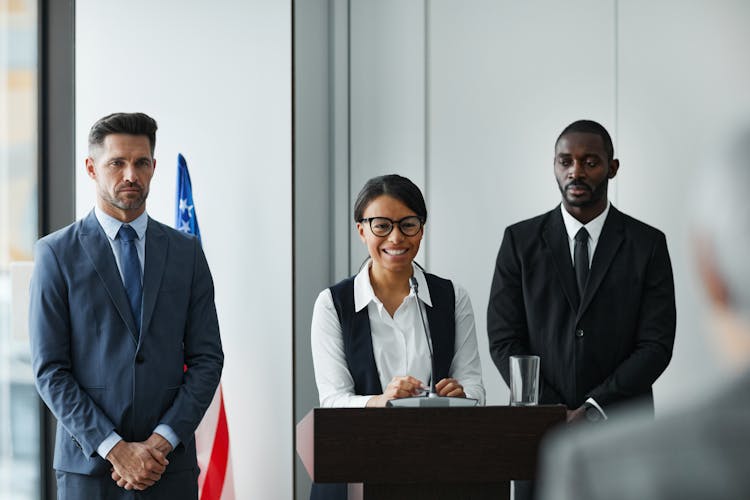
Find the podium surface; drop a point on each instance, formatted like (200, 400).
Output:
(453, 452)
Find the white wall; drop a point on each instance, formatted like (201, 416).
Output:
(683, 77)
(502, 80)
(387, 80)
(217, 78)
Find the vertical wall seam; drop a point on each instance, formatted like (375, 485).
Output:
(294, 244)
(349, 128)
(616, 86)
(426, 76)
(331, 124)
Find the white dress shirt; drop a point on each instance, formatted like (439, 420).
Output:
(594, 228)
(111, 227)
(399, 343)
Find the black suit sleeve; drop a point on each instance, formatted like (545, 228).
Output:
(507, 329)
(654, 336)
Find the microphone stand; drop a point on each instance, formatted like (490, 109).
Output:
(415, 286)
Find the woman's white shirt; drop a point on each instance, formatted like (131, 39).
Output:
(399, 343)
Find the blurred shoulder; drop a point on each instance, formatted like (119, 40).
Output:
(691, 454)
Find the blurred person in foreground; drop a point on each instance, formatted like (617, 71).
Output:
(124, 334)
(702, 452)
(369, 344)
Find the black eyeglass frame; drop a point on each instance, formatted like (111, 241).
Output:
(393, 224)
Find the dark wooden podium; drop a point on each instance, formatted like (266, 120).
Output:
(425, 453)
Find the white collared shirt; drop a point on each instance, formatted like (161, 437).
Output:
(594, 228)
(112, 226)
(399, 343)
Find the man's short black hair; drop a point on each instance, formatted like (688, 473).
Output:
(123, 123)
(591, 127)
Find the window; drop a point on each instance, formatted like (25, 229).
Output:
(19, 191)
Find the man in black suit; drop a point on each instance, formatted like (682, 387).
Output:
(586, 288)
(701, 451)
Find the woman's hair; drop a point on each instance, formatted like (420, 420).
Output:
(395, 186)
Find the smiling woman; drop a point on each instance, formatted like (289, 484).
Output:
(369, 342)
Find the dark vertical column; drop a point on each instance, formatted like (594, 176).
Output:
(57, 114)
(56, 161)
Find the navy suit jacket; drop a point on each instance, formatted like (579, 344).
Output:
(612, 343)
(92, 369)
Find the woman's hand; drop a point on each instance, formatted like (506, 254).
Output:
(450, 387)
(399, 387)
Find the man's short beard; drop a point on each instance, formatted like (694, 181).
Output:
(596, 195)
(129, 205)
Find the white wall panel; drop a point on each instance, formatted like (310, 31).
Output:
(505, 78)
(387, 96)
(217, 78)
(683, 76)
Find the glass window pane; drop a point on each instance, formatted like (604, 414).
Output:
(19, 191)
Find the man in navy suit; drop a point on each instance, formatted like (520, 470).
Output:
(124, 335)
(586, 288)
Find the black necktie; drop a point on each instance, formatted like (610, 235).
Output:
(581, 258)
(131, 271)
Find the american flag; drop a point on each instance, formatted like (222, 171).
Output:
(215, 481)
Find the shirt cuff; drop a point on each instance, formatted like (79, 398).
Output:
(167, 433)
(593, 403)
(109, 442)
(470, 394)
(357, 401)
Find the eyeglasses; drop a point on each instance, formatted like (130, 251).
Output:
(382, 226)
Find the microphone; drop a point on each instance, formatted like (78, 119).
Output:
(415, 287)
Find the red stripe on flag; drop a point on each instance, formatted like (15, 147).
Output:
(217, 466)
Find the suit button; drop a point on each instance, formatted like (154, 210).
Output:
(579, 332)
(139, 358)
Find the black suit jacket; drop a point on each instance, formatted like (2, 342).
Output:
(611, 344)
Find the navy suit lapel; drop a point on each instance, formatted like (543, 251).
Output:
(155, 262)
(95, 244)
(613, 234)
(556, 238)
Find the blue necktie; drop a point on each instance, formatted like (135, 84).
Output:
(131, 271)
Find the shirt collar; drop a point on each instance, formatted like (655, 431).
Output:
(594, 227)
(111, 225)
(364, 294)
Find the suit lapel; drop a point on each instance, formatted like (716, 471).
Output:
(556, 238)
(98, 249)
(156, 258)
(613, 234)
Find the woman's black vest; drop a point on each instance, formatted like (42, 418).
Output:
(355, 329)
